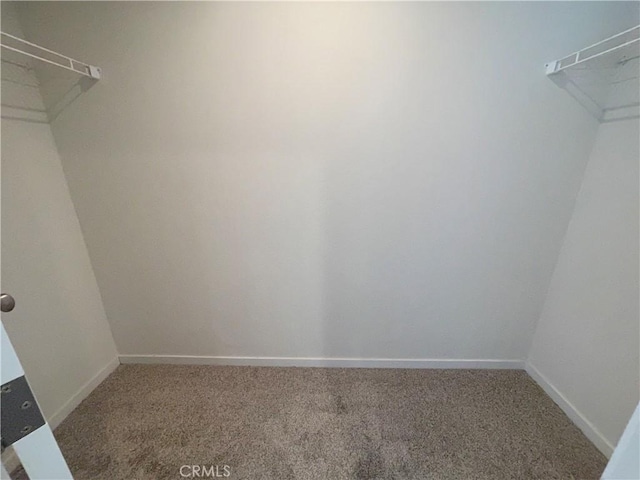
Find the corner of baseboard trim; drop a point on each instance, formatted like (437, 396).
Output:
(84, 391)
(577, 417)
(324, 362)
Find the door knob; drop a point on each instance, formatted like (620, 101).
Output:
(7, 302)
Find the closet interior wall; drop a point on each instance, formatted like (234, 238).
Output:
(323, 180)
(59, 327)
(585, 351)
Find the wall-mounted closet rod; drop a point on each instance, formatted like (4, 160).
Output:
(76, 66)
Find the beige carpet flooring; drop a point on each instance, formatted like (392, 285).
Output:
(145, 422)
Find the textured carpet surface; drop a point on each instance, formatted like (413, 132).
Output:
(146, 422)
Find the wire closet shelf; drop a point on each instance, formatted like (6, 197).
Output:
(42, 54)
(604, 76)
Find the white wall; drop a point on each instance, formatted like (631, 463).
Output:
(58, 328)
(586, 343)
(323, 179)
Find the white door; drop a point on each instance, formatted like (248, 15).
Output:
(23, 427)
(625, 461)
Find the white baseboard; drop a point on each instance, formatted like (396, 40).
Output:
(591, 432)
(323, 362)
(84, 391)
(10, 459)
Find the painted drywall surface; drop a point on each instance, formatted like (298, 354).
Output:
(58, 328)
(586, 342)
(323, 179)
